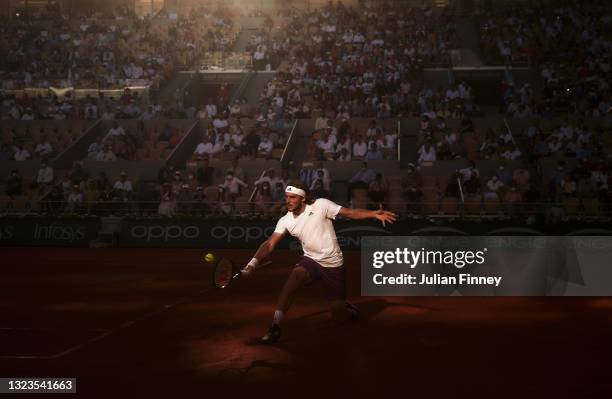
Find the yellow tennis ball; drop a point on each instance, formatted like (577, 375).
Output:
(209, 257)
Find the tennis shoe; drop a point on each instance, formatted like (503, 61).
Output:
(272, 336)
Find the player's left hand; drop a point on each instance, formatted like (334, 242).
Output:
(385, 216)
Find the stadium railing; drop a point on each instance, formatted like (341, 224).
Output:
(446, 208)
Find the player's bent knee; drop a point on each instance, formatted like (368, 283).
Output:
(301, 274)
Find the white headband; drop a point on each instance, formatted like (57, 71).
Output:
(295, 190)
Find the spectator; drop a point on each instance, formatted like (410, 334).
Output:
(512, 200)
(77, 174)
(323, 173)
(167, 204)
(412, 184)
(106, 154)
(45, 174)
(374, 154)
(236, 169)
(205, 174)
(263, 199)
(427, 153)
(91, 194)
(377, 191)
(360, 148)
(521, 178)
(362, 178)
(325, 147)
(511, 153)
(318, 191)
(74, 202)
(175, 139)
(177, 182)
(95, 148)
(21, 154)
(265, 146)
(278, 194)
(116, 131)
(344, 155)
(54, 200)
(44, 148)
(236, 137)
(452, 188)
(473, 185)
(185, 198)
(468, 172)
(229, 190)
(270, 177)
(251, 143)
(5, 152)
(504, 175)
(123, 187)
(14, 184)
(205, 149)
(569, 187)
(494, 188)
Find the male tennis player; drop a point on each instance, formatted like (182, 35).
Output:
(310, 221)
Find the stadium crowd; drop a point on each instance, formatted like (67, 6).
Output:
(569, 46)
(351, 71)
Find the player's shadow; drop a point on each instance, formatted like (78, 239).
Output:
(308, 335)
(368, 309)
(371, 308)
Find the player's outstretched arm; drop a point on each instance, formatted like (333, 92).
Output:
(264, 250)
(381, 215)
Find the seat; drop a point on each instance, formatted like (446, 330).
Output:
(571, 206)
(449, 206)
(492, 206)
(591, 207)
(473, 204)
(277, 153)
(430, 181)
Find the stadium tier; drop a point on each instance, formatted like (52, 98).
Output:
(368, 103)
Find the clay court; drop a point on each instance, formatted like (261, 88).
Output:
(148, 323)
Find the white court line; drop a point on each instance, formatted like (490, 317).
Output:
(106, 333)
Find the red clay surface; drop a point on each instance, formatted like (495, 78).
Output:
(146, 323)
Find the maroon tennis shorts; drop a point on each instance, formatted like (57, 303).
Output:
(332, 278)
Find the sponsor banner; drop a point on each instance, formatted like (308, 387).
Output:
(250, 234)
(195, 234)
(486, 265)
(61, 232)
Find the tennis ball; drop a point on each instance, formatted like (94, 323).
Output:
(209, 257)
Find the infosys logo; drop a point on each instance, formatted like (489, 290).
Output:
(56, 232)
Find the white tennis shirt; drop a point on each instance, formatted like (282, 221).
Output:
(315, 230)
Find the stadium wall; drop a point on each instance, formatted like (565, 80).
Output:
(244, 234)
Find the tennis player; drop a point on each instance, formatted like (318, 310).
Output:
(310, 221)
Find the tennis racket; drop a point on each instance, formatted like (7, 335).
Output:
(226, 272)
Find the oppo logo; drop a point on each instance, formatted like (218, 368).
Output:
(241, 233)
(165, 233)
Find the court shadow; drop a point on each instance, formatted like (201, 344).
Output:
(371, 308)
(278, 368)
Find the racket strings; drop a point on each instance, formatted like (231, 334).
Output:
(223, 273)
